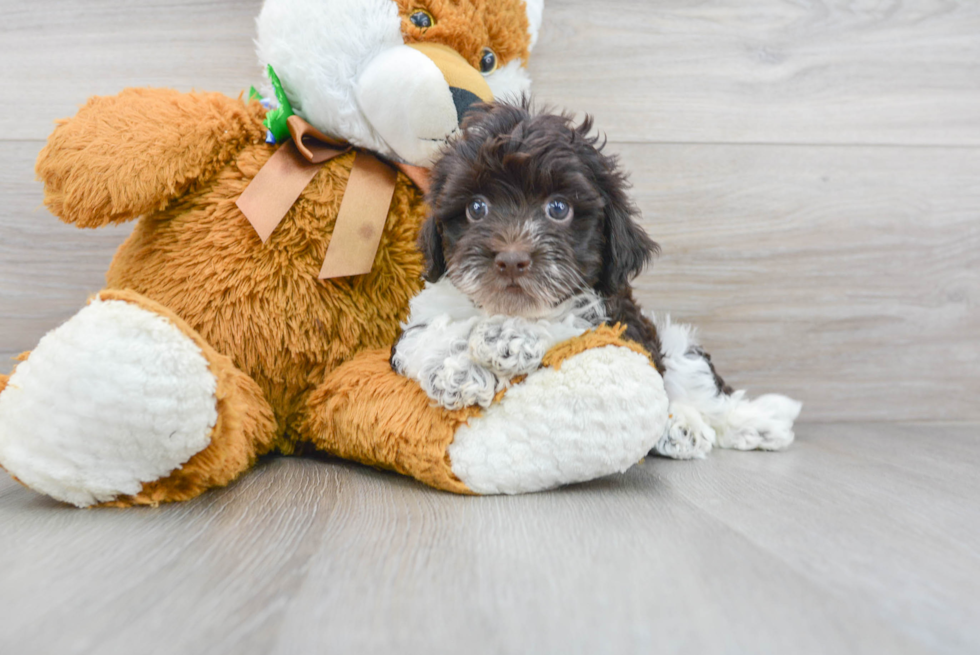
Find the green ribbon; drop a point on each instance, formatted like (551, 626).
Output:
(277, 119)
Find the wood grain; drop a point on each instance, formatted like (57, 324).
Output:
(848, 277)
(57, 53)
(768, 71)
(47, 269)
(773, 71)
(860, 539)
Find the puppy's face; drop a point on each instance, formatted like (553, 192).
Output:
(527, 211)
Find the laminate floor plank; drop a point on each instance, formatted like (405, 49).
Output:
(180, 578)
(58, 53)
(848, 277)
(611, 567)
(718, 71)
(770, 71)
(868, 526)
(849, 542)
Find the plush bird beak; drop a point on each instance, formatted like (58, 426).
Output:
(414, 96)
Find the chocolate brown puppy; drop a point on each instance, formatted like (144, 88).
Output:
(533, 238)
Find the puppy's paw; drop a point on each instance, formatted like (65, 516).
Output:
(459, 382)
(507, 346)
(765, 423)
(687, 435)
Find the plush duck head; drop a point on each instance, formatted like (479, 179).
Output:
(397, 76)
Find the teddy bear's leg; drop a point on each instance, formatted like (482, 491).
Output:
(366, 412)
(126, 404)
(596, 408)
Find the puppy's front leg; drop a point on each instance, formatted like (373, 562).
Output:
(687, 435)
(436, 355)
(457, 381)
(508, 346)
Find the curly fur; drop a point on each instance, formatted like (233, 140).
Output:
(517, 160)
(463, 356)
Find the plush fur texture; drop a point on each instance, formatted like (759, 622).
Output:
(323, 50)
(510, 82)
(173, 141)
(61, 410)
(470, 26)
(273, 357)
(534, 441)
(599, 414)
(366, 413)
(261, 305)
(121, 370)
(245, 427)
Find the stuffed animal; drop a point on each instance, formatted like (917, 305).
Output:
(253, 308)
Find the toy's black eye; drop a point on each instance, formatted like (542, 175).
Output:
(422, 19)
(488, 61)
(477, 209)
(558, 210)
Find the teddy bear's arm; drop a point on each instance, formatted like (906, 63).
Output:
(126, 155)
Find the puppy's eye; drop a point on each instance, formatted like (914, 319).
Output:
(477, 209)
(558, 210)
(422, 19)
(488, 61)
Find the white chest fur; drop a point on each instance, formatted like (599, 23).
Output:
(462, 356)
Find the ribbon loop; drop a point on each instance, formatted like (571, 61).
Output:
(363, 209)
(315, 146)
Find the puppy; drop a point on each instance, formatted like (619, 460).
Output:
(532, 240)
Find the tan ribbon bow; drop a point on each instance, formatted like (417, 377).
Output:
(363, 210)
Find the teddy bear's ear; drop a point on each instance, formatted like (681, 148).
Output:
(430, 244)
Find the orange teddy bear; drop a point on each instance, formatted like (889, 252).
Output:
(216, 340)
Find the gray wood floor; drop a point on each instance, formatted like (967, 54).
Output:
(863, 538)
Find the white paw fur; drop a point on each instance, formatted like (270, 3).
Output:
(115, 397)
(765, 423)
(508, 346)
(457, 381)
(462, 356)
(737, 422)
(687, 435)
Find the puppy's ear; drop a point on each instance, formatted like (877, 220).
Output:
(627, 249)
(430, 243)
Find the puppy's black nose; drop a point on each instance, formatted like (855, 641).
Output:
(513, 263)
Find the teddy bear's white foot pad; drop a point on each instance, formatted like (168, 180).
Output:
(115, 397)
(597, 415)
